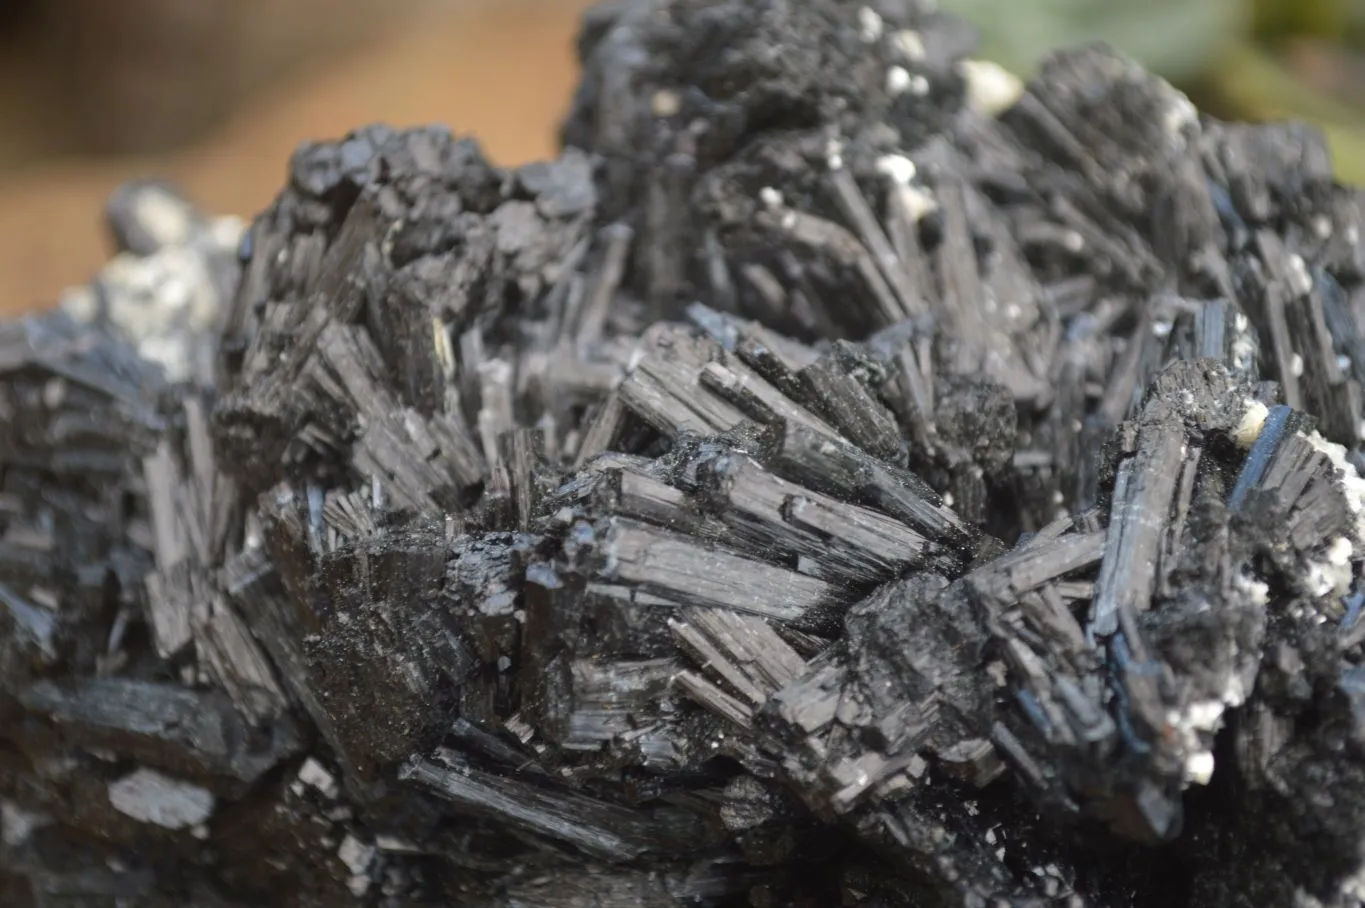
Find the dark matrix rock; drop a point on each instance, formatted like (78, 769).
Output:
(844, 477)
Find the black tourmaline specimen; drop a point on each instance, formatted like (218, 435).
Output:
(844, 477)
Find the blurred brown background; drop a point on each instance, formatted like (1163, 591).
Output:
(217, 93)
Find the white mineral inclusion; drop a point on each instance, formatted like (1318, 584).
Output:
(911, 45)
(918, 203)
(1179, 114)
(227, 231)
(898, 167)
(1258, 591)
(898, 80)
(445, 349)
(355, 854)
(1353, 887)
(1243, 344)
(900, 170)
(1335, 573)
(1205, 715)
(393, 844)
(167, 352)
(1199, 767)
(1300, 281)
(1202, 716)
(1340, 552)
(870, 25)
(666, 103)
(357, 857)
(150, 797)
(165, 217)
(991, 89)
(834, 154)
(314, 774)
(1249, 429)
(156, 299)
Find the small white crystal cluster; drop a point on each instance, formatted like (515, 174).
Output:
(168, 302)
(991, 89)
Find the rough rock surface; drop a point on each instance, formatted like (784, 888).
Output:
(844, 476)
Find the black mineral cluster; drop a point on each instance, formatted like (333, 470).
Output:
(845, 476)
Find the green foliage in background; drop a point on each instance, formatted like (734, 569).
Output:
(1248, 59)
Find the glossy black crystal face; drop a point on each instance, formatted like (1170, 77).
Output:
(844, 476)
